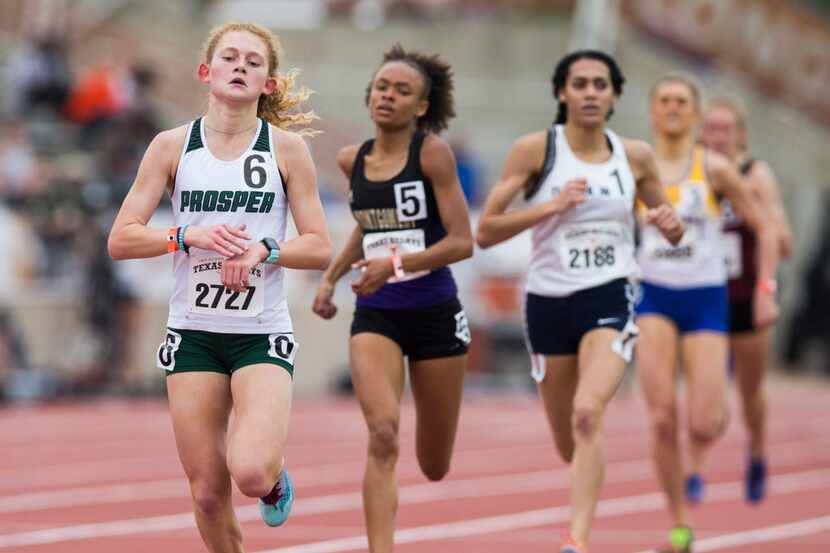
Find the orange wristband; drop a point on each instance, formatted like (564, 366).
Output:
(397, 264)
(767, 285)
(172, 242)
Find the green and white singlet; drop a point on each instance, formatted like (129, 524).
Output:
(208, 192)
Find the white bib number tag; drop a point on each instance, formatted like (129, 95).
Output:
(384, 244)
(733, 254)
(410, 201)
(207, 295)
(283, 346)
(660, 250)
(594, 247)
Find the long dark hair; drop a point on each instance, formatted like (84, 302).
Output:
(560, 77)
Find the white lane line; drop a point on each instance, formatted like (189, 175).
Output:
(167, 465)
(763, 535)
(421, 493)
(726, 491)
(791, 453)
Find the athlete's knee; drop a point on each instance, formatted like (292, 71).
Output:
(706, 426)
(254, 479)
(209, 500)
(434, 468)
(664, 423)
(587, 414)
(383, 440)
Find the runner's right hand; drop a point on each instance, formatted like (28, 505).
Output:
(765, 308)
(573, 194)
(323, 305)
(225, 239)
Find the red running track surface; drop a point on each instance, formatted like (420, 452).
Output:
(104, 477)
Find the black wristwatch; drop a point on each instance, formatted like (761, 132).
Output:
(273, 250)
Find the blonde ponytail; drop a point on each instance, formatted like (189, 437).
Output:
(281, 107)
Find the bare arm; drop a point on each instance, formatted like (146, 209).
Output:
(311, 249)
(650, 191)
(438, 164)
(522, 166)
(131, 238)
(728, 182)
(765, 185)
(353, 250)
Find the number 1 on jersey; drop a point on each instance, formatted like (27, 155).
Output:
(616, 174)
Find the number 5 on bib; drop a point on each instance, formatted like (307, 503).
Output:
(410, 201)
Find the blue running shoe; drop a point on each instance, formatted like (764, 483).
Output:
(756, 479)
(276, 506)
(694, 488)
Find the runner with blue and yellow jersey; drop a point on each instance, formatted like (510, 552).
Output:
(683, 309)
(686, 283)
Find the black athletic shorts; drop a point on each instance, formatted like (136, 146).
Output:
(556, 325)
(423, 333)
(741, 315)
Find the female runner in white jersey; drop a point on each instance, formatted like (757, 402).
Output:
(724, 131)
(580, 181)
(231, 174)
(411, 224)
(683, 310)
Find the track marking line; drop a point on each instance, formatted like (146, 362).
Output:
(726, 491)
(762, 535)
(788, 483)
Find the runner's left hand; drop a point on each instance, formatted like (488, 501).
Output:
(374, 274)
(236, 271)
(667, 221)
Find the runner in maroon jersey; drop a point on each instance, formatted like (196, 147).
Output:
(724, 130)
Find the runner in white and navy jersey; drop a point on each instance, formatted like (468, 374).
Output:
(229, 345)
(580, 181)
(412, 223)
(724, 130)
(683, 311)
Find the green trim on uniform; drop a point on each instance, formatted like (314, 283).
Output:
(263, 142)
(201, 351)
(195, 141)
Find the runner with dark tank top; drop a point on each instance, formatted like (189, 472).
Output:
(741, 263)
(400, 212)
(724, 130)
(411, 223)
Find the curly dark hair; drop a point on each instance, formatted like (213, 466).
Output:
(438, 86)
(560, 77)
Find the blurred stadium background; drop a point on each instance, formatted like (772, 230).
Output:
(85, 84)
